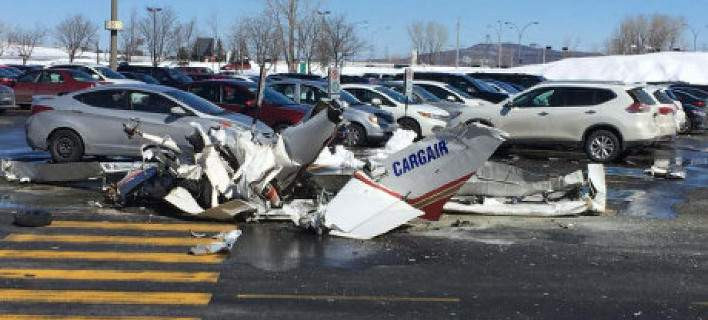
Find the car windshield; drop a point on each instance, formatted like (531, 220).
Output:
(695, 92)
(425, 94)
(108, 73)
(481, 84)
(395, 95)
(271, 96)
(349, 98)
(196, 102)
(178, 75)
(458, 91)
(662, 97)
(82, 76)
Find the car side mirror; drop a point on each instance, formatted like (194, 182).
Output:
(451, 98)
(177, 111)
(376, 101)
(250, 103)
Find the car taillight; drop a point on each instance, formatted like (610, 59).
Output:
(225, 124)
(666, 110)
(37, 108)
(638, 108)
(699, 104)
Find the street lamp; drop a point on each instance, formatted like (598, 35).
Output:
(521, 34)
(154, 11)
(498, 30)
(694, 31)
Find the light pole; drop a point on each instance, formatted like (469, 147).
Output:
(521, 34)
(325, 25)
(154, 11)
(457, 50)
(498, 30)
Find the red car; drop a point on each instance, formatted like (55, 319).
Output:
(278, 111)
(9, 75)
(50, 82)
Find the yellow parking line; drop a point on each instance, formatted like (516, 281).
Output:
(109, 275)
(51, 317)
(159, 257)
(104, 297)
(198, 227)
(702, 304)
(345, 298)
(151, 241)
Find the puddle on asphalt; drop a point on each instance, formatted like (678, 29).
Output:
(278, 248)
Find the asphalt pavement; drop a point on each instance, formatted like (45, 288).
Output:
(646, 259)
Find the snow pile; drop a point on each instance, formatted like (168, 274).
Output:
(653, 67)
(341, 158)
(399, 141)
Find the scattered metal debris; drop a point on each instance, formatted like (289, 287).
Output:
(33, 218)
(224, 245)
(668, 168)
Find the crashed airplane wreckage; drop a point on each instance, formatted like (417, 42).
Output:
(244, 173)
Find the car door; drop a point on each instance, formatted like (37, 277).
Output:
(209, 91)
(52, 82)
(234, 98)
(366, 95)
(526, 118)
(289, 90)
(310, 94)
(26, 86)
(152, 110)
(103, 114)
(579, 109)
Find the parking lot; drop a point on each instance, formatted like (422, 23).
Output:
(641, 259)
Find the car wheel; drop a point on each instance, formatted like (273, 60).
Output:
(410, 124)
(66, 146)
(355, 135)
(602, 146)
(685, 128)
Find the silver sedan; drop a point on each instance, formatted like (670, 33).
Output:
(7, 98)
(91, 122)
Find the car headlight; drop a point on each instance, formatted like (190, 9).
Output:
(434, 116)
(374, 119)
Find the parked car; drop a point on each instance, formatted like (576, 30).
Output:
(143, 77)
(694, 107)
(420, 95)
(520, 80)
(26, 67)
(604, 119)
(449, 93)
(420, 118)
(199, 73)
(367, 124)
(277, 110)
(664, 114)
(660, 94)
(300, 76)
(7, 77)
(91, 122)
(502, 86)
(473, 87)
(50, 82)
(99, 73)
(166, 76)
(12, 70)
(7, 98)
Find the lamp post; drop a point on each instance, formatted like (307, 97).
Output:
(154, 11)
(498, 30)
(520, 32)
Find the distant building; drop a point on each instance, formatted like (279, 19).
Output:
(203, 49)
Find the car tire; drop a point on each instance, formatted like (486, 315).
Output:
(685, 128)
(410, 124)
(355, 136)
(65, 145)
(603, 146)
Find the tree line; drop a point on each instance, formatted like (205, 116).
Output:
(285, 30)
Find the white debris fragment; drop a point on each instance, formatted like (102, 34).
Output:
(667, 168)
(228, 239)
(340, 159)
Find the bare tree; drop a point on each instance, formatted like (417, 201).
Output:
(435, 39)
(74, 34)
(25, 40)
(416, 33)
(130, 36)
(309, 32)
(285, 14)
(640, 34)
(187, 33)
(339, 39)
(260, 32)
(159, 33)
(238, 42)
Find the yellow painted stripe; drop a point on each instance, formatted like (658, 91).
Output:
(159, 257)
(109, 275)
(344, 298)
(51, 317)
(702, 304)
(148, 241)
(104, 297)
(198, 227)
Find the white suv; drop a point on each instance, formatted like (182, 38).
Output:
(604, 118)
(418, 117)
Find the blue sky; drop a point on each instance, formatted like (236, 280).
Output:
(587, 22)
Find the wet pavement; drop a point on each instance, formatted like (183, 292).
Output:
(645, 259)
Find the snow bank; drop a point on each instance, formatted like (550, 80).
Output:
(662, 66)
